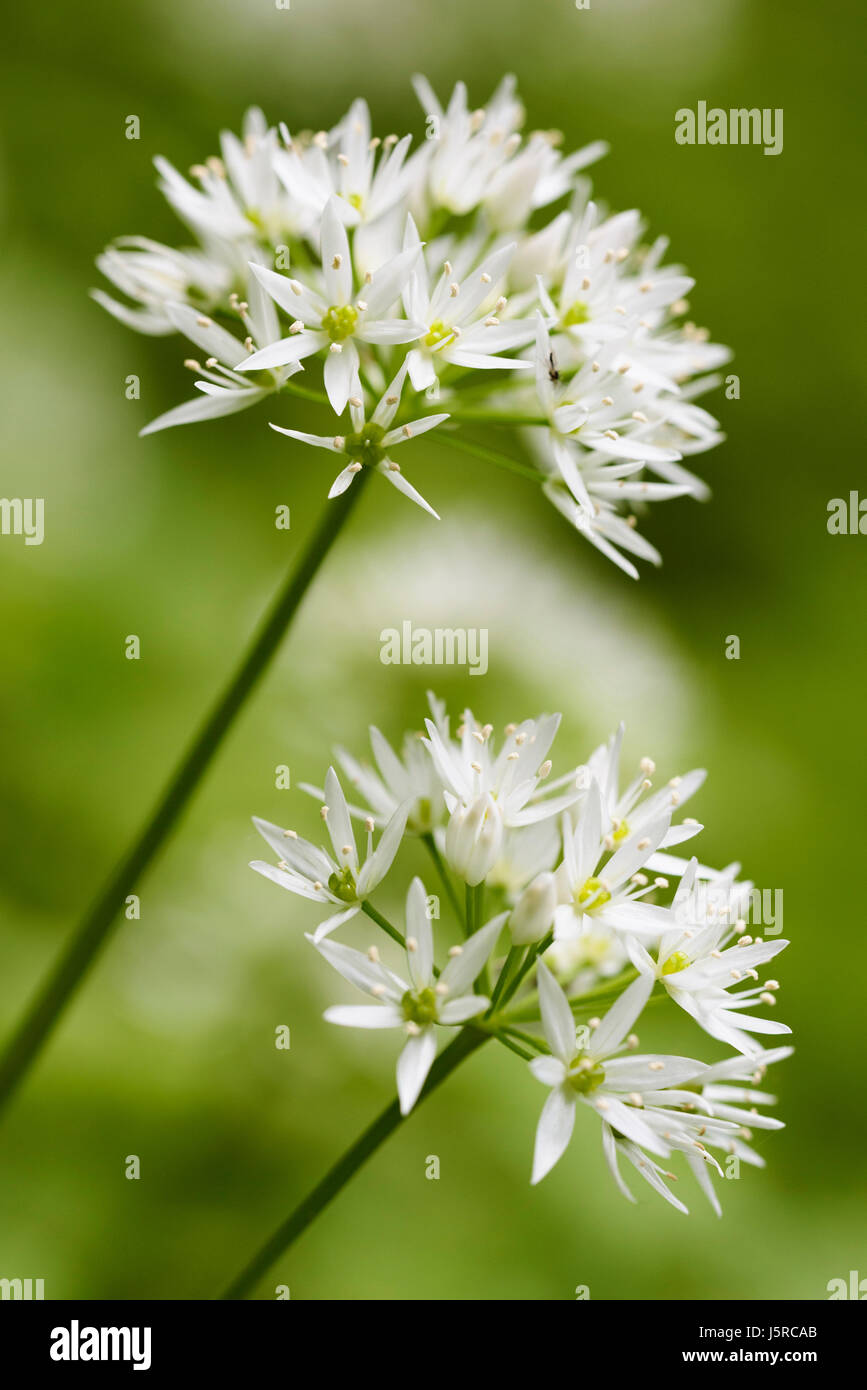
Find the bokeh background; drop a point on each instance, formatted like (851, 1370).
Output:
(168, 1052)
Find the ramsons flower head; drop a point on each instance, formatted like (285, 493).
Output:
(469, 273)
(555, 915)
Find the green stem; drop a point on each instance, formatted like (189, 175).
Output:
(470, 910)
(444, 876)
(494, 417)
(515, 952)
(529, 1008)
(491, 456)
(305, 393)
(537, 949)
(103, 917)
(383, 922)
(467, 1041)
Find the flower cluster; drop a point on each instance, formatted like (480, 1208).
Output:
(561, 897)
(473, 273)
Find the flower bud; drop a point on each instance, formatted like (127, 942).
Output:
(474, 837)
(533, 913)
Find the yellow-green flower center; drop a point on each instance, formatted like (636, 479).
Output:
(342, 885)
(620, 831)
(592, 896)
(356, 200)
(339, 322)
(586, 1076)
(678, 960)
(579, 313)
(364, 447)
(419, 1006)
(437, 333)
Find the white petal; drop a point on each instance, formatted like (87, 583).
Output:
(554, 1131)
(397, 480)
(339, 375)
(365, 1015)
(557, 1018)
(418, 929)
(413, 1065)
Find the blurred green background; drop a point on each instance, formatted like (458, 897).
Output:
(168, 1052)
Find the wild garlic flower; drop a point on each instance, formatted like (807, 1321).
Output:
(488, 793)
(371, 441)
(460, 262)
(700, 959)
(341, 879)
(396, 778)
(602, 878)
(415, 1006)
(597, 1074)
(565, 874)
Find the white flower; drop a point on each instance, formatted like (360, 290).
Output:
(239, 197)
(595, 1074)
(336, 319)
(342, 880)
(608, 891)
(366, 175)
(599, 443)
(607, 285)
(526, 851)
(487, 793)
(631, 811)
(474, 158)
(153, 276)
(461, 318)
(533, 913)
(224, 390)
(397, 778)
(431, 260)
(418, 1005)
(700, 962)
(713, 1118)
(724, 1100)
(468, 767)
(371, 441)
(474, 836)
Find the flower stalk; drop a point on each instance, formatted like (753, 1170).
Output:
(104, 916)
(469, 1040)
